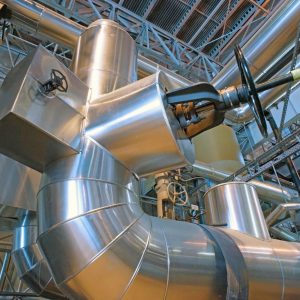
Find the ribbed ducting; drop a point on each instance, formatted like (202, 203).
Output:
(98, 241)
(99, 244)
(30, 264)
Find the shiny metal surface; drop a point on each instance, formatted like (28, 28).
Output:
(31, 267)
(97, 240)
(147, 67)
(93, 230)
(235, 205)
(64, 31)
(268, 98)
(135, 124)
(105, 39)
(272, 266)
(269, 192)
(262, 51)
(32, 131)
(283, 234)
(45, 21)
(19, 185)
(98, 233)
(279, 211)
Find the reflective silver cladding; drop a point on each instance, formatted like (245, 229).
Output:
(19, 185)
(138, 127)
(263, 51)
(93, 230)
(272, 266)
(98, 241)
(105, 57)
(32, 131)
(269, 192)
(31, 267)
(235, 205)
(45, 21)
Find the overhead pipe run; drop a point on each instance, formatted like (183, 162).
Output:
(98, 241)
(50, 23)
(268, 98)
(274, 39)
(279, 211)
(268, 192)
(62, 30)
(267, 46)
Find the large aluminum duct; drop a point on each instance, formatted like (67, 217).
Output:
(45, 21)
(264, 50)
(19, 185)
(139, 128)
(31, 267)
(269, 192)
(62, 30)
(136, 114)
(98, 242)
(117, 66)
(235, 205)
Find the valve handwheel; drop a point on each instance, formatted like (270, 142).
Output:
(253, 99)
(60, 80)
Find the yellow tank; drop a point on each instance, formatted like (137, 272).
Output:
(219, 148)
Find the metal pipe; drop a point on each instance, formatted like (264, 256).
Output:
(283, 234)
(45, 21)
(92, 230)
(104, 38)
(279, 210)
(264, 50)
(268, 98)
(266, 191)
(31, 267)
(66, 32)
(235, 205)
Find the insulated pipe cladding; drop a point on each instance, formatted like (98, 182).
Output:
(264, 50)
(30, 264)
(98, 242)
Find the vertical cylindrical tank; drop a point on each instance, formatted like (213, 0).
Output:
(235, 205)
(105, 57)
(219, 148)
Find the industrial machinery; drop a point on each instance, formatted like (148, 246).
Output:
(93, 132)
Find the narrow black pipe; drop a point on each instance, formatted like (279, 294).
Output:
(286, 78)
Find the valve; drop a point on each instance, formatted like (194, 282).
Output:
(57, 81)
(200, 107)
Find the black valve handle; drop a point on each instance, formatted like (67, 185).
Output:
(253, 98)
(57, 81)
(60, 79)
